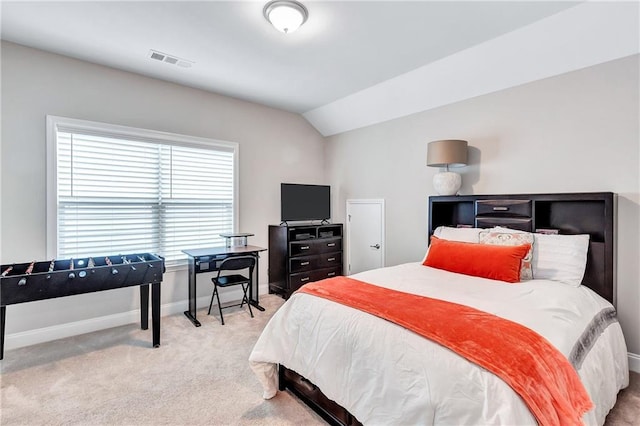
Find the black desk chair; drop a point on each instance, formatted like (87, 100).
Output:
(234, 263)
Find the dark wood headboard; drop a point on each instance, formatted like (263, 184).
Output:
(575, 213)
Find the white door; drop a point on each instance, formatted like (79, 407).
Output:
(365, 235)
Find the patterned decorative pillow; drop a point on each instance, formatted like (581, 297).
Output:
(512, 239)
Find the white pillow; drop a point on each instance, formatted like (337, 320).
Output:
(560, 258)
(466, 235)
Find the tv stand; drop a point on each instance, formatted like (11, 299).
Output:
(301, 254)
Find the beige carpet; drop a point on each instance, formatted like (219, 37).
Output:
(198, 376)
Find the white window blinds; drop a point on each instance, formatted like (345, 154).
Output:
(120, 195)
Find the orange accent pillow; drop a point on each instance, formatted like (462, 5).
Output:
(479, 260)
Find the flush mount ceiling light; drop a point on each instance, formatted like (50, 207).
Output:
(285, 15)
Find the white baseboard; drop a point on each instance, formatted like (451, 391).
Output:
(61, 331)
(634, 362)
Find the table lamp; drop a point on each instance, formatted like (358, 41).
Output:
(447, 153)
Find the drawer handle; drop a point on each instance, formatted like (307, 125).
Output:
(331, 259)
(304, 247)
(304, 263)
(330, 274)
(500, 209)
(331, 244)
(304, 279)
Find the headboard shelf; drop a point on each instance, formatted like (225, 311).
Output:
(570, 213)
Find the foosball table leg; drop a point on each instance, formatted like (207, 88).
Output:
(144, 306)
(155, 313)
(3, 317)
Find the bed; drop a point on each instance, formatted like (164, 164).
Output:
(353, 367)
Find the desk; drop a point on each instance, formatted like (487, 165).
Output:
(207, 260)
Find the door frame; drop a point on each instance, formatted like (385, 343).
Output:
(350, 202)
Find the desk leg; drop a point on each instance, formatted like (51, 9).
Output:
(191, 313)
(3, 317)
(155, 313)
(144, 306)
(254, 300)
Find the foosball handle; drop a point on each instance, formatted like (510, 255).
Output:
(23, 281)
(114, 271)
(72, 275)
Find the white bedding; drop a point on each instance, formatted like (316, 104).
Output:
(383, 374)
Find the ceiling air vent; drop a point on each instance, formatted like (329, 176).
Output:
(170, 59)
(157, 56)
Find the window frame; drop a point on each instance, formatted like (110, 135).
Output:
(56, 123)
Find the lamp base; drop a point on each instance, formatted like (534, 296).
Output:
(447, 183)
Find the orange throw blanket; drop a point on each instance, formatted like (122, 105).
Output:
(526, 361)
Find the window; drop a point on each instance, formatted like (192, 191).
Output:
(119, 190)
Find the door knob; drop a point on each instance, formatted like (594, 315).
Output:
(377, 246)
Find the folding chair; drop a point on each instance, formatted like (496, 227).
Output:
(234, 263)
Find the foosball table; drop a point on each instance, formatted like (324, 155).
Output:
(28, 282)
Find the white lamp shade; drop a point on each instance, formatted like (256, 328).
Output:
(285, 15)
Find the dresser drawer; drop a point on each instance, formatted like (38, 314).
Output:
(303, 263)
(321, 274)
(303, 248)
(329, 245)
(327, 260)
(299, 279)
(505, 222)
(511, 208)
(315, 246)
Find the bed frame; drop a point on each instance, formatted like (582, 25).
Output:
(573, 213)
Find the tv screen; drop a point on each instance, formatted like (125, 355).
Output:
(304, 202)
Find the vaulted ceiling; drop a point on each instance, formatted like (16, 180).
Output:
(349, 64)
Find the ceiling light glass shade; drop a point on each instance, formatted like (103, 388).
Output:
(285, 15)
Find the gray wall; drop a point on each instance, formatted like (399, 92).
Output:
(275, 146)
(571, 133)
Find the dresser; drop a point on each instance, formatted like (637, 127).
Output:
(302, 254)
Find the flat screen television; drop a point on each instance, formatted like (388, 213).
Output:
(304, 202)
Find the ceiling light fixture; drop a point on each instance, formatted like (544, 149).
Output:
(285, 15)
